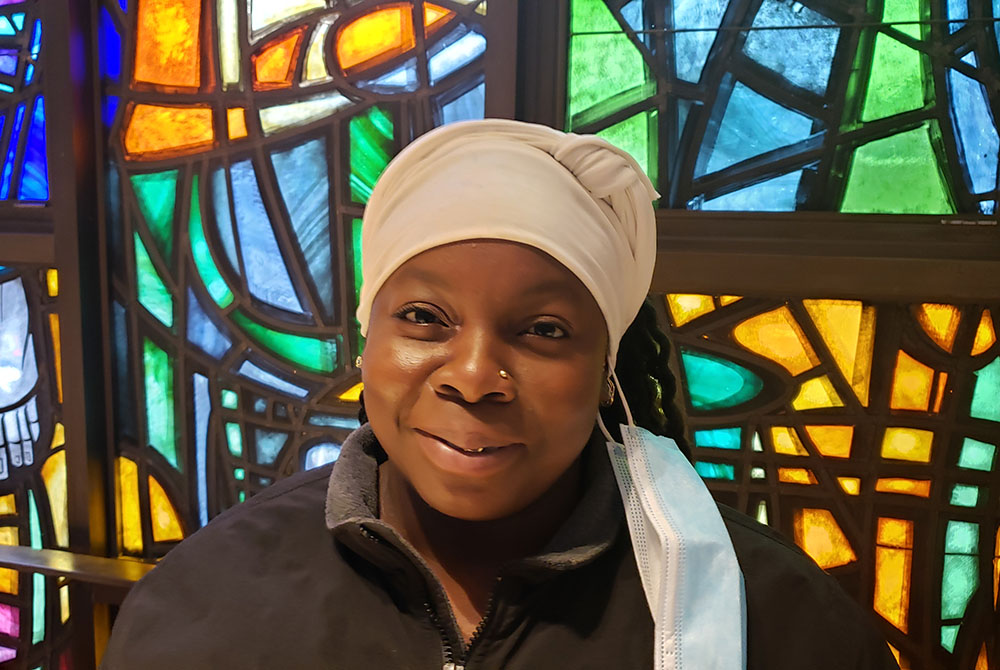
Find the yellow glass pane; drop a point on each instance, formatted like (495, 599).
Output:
(166, 48)
(907, 444)
(236, 121)
(376, 36)
(155, 129)
(786, 441)
(896, 533)
(166, 524)
(58, 435)
(996, 566)
(52, 282)
(901, 660)
(57, 352)
(817, 393)
(892, 585)
(8, 536)
(986, 334)
(63, 603)
(434, 13)
(54, 476)
(911, 384)
(941, 387)
(315, 69)
(913, 487)
(940, 322)
(820, 536)
(481, 9)
(832, 441)
(796, 476)
(729, 299)
(130, 533)
(7, 504)
(274, 65)
(850, 485)
(777, 336)
(352, 394)
(8, 577)
(686, 307)
(848, 330)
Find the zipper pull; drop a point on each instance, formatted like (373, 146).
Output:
(453, 666)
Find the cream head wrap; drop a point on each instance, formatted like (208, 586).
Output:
(578, 198)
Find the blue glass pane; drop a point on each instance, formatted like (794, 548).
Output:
(987, 207)
(267, 276)
(29, 73)
(691, 49)
(715, 470)
(718, 438)
(36, 40)
(321, 454)
(268, 445)
(803, 57)
(8, 61)
(459, 48)
(978, 141)
(202, 331)
(111, 47)
(223, 221)
(6, 28)
(774, 195)
(123, 383)
(714, 382)
(632, 13)
(403, 78)
(18, 20)
(202, 410)
(109, 109)
(8, 164)
(958, 10)
(334, 421)
(751, 125)
(35, 171)
(251, 371)
(466, 107)
(302, 178)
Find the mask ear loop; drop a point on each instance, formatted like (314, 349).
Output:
(621, 394)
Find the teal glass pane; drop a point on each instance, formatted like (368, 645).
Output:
(948, 636)
(202, 255)
(37, 579)
(159, 385)
(964, 495)
(318, 355)
(356, 257)
(958, 582)
(715, 470)
(961, 537)
(321, 454)
(699, 18)
(240, 474)
(715, 383)
(976, 455)
(371, 146)
(153, 294)
(718, 438)
(234, 439)
(773, 195)
(230, 399)
(986, 396)
(268, 444)
(803, 57)
(157, 195)
(638, 136)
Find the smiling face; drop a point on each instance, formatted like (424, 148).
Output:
(473, 444)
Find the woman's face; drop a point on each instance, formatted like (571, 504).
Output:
(441, 329)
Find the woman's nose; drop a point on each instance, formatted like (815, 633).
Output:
(474, 369)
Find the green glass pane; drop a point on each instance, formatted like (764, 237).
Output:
(948, 636)
(964, 495)
(230, 399)
(715, 470)
(203, 261)
(243, 496)
(37, 580)
(986, 396)
(153, 294)
(234, 438)
(896, 175)
(961, 537)
(637, 135)
(356, 246)
(371, 134)
(159, 376)
(976, 455)
(958, 582)
(240, 475)
(601, 66)
(714, 383)
(719, 438)
(903, 11)
(157, 193)
(896, 83)
(314, 354)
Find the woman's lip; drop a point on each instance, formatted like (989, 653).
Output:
(471, 444)
(446, 457)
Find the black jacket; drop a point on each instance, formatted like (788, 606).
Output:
(270, 585)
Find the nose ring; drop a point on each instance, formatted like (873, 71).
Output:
(504, 374)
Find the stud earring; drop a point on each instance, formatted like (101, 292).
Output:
(358, 361)
(610, 400)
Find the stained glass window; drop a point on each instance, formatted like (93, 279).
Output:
(783, 106)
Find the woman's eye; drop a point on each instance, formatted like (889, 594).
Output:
(547, 329)
(418, 315)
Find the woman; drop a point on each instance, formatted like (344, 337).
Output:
(475, 521)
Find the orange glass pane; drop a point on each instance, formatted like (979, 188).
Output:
(236, 121)
(130, 531)
(911, 384)
(996, 566)
(796, 476)
(982, 662)
(817, 393)
(52, 282)
(832, 441)
(820, 536)
(433, 14)
(777, 336)
(58, 435)
(154, 129)
(64, 603)
(729, 299)
(57, 352)
(940, 322)
(274, 64)
(848, 330)
(686, 307)
(7, 504)
(913, 487)
(166, 48)
(907, 444)
(850, 485)
(352, 394)
(166, 524)
(54, 476)
(896, 533)
(376, 36)
(901, 660)
(786, 441)
(986, 334)
(941, 386)
(892, 585)
(8, 577)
